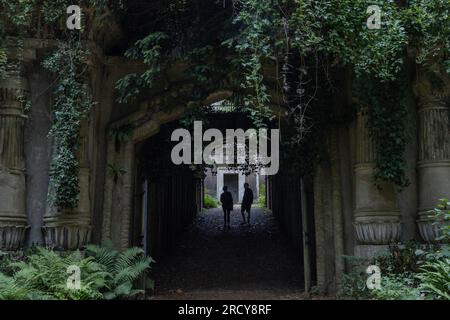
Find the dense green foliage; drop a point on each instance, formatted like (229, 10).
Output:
(388, 119)
(42, 274)
(46, 18)
(302, 42)
(123, 269)
(333, 33)
(442, 214)
(254, 44)
(149, 51)
(435, 278)
(262, 197)
(429, 26)
(409, 272)
(209, 202)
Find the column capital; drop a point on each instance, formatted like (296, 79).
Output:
(433, 101)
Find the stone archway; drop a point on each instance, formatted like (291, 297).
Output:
(118, 206)
(118, 191)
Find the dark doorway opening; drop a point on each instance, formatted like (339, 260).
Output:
(193, 254)
(166, 195)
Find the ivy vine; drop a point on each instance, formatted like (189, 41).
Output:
(72, 102)
(387, 123)
(255, 45)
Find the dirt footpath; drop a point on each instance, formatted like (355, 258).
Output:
(255, 262)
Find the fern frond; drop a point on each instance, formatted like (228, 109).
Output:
(131, 273)
(103, 255)
(129, 257)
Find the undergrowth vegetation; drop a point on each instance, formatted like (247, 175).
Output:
(43, 274)
(412, 271)
(209, 202)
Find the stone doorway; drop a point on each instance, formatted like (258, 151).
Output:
(231, 180)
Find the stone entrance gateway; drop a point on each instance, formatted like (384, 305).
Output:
(335, 211)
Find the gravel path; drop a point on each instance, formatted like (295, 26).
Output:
(255, 262)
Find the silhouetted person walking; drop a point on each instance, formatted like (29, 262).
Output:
(247, 201)
(227, 205)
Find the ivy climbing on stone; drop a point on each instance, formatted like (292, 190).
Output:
(72, 102)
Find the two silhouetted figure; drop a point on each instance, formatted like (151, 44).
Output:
(227, 205)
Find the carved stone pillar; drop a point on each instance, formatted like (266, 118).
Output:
(71, 229)
(13, 217)
(434, 161)
(376, 216)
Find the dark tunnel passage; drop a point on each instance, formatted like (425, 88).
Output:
(194, 254)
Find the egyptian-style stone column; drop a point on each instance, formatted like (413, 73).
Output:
(71, 229)
(13, 217)
(434, 161)
(377, 217)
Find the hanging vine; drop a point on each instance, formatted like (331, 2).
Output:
(256, 46)
(312, 37)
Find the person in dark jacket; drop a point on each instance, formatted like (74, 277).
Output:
(247, 201)
(227, 205)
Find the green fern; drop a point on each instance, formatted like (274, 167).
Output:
(9, 290)
(105, 274)
(124, 268)
(46, 272)
(104, 255)
(435, 279)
